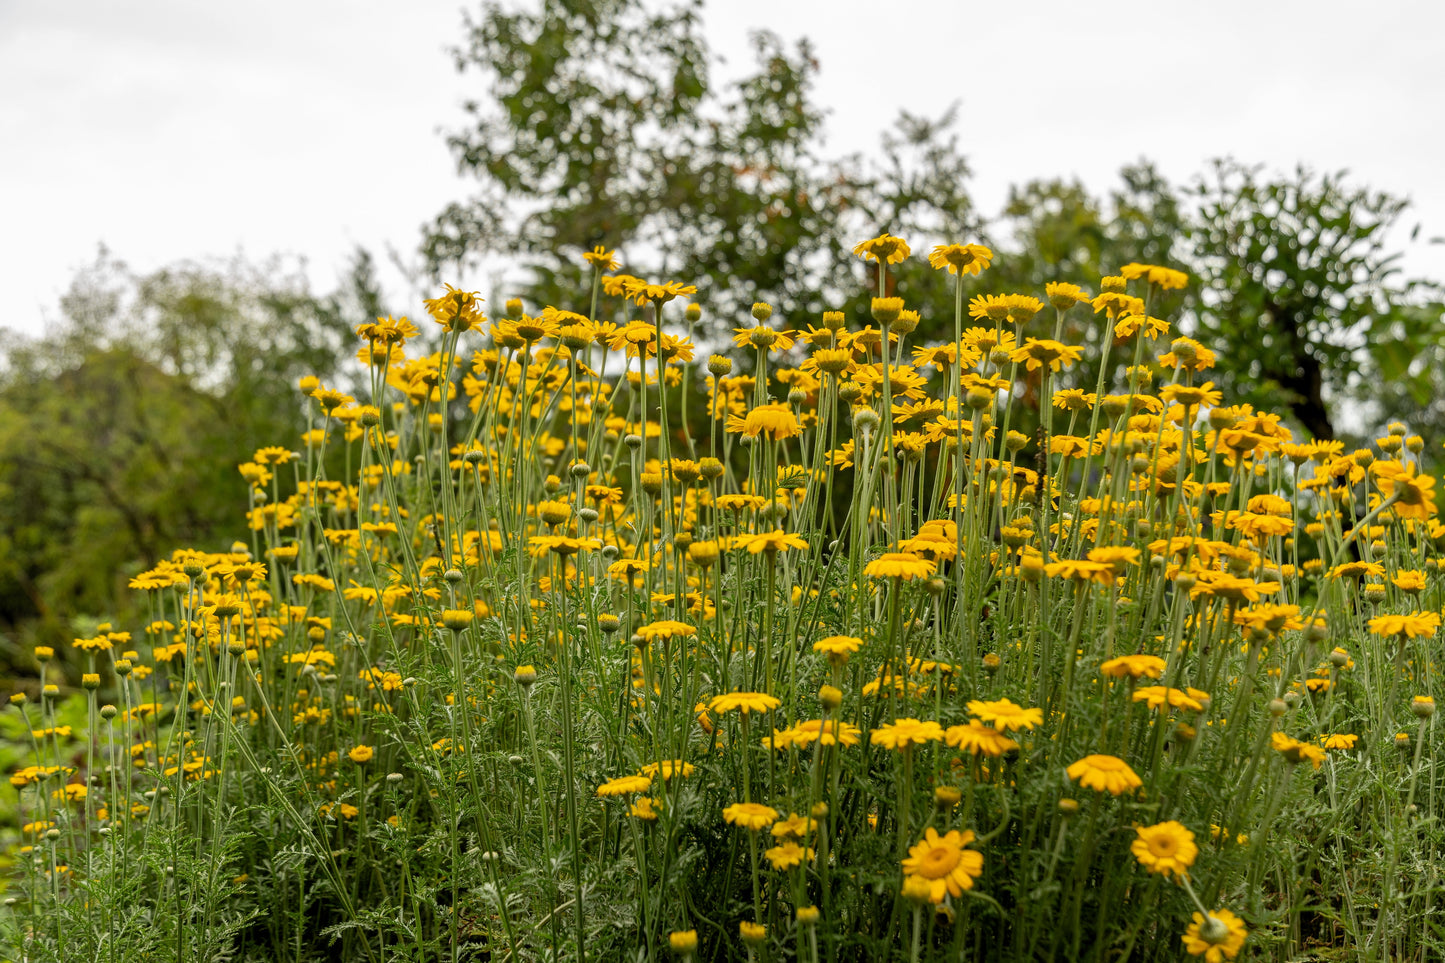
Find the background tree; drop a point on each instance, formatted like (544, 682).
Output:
(1301, 292)
(121, 429)
(1406, 380)
(606, 125)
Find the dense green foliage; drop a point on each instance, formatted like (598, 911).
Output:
(121, 428)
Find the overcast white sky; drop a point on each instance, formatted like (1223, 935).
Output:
(170, 129)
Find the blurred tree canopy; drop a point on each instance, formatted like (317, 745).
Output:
(1297, 280)
(605, 126)
(121, 429)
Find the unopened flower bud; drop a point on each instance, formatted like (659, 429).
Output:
(457, 619)
(886, 310)
(1213, 930)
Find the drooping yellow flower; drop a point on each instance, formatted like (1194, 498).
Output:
(1082, 571)
(1005, 715)
(900, 565)
(640, 292)
(838, 648)
(1074, 399)
(943, 861)
(1158, 696)
(1102, 773)
(645, 808)
(456, 310)
(624, 786)
(1116, 303)
(1132, 323)
(900, 734)
(1022, 307)
(830, 732)
(1063, 295)
(71, 792)
(1356, 570)
(979, 739)
(753, 816)
(774, 541)
(1233, 587)
(97, 644)
(788, 855)
(1133, 666)
(1414, 493)
(668, 768)
(387, 330)
(960, 258)
(795, 827)
(540, 545)
(1216, 937)
(885, 248)
(601, 259)
(763, 338)
(665, 629)
(1117, 557)
(737, 503)
(744, 702)
(776, 421)
(1296, 751)
(833, 361)
(28, 774)
(635, 338)
(1191, 396)
(1166, 848)
(1411, 626)
(1409, 580)
(1167, 278)
(993, 307)
(1188, 354)
(1036, 354)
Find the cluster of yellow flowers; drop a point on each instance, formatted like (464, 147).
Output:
(917, 601)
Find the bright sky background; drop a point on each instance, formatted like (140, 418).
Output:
(171, 129)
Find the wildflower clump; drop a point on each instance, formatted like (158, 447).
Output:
(903, 632)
